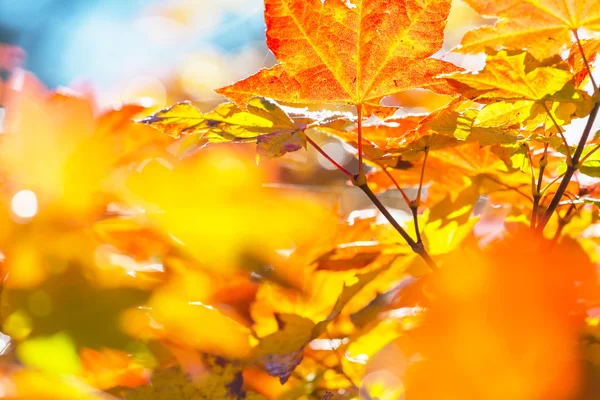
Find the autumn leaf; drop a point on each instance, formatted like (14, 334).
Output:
(446, 170)
(222, 381)
(542, 27)
(512, 76)
(229, 183)
(282, 351)
(82, 153)
(25, 384)
(107, 368)
(533, 92)
(347, 256)
(509, 295)
(354, 52)
(591, 48)
(274, 130)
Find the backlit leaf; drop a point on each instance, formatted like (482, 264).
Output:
(542, 27)
(591, 48)
(352, 52)
(222, 381)
(282, 351)
(511, 76)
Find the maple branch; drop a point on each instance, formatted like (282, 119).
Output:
(585, 61)
(418, 199)
(331, 160)
(533, 186)
(560, 132)
(361, 177)
(537, 194)
(570, 169)
(410, 205)
(414, 205)
(418, 248)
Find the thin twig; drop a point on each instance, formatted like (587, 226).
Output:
(551, 183)
(410, 205)
(418, 200)
(404, 196)
(418, 248)
(361, 178)
(560, 132)
(570, 169)
(585, 61)
(537, 195)
(414, 205)
(534, 192)
(331, 160)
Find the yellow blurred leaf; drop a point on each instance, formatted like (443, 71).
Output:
(543, 27)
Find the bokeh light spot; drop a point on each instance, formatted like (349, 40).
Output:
(24, 204)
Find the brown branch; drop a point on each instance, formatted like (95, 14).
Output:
(414, 205)
(570, 169)
(537, 195)
(560, 132)
(418, 248)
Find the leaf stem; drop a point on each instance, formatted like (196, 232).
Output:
(418, 248)
(331, 160)
(537, 195)
(404, 196)
(570, 169)
(418, 199)
(551, 183)
(560, 132)
(361, 177)
(585, 61)
(414, 205)
(534, 192)
(410, 205)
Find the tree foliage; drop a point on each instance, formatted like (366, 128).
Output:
(157, 265)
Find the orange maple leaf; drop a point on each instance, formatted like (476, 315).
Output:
(542, 27)
(353, 52)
